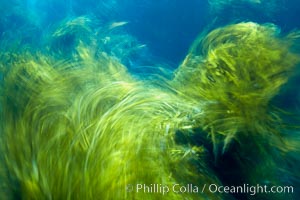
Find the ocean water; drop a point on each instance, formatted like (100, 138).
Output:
(153, 41)
(167, 27)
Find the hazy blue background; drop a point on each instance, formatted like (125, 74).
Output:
(167, 27)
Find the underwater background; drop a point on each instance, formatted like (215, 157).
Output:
(166, 27)
(54, 46)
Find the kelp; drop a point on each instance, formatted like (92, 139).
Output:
(237, 70)
(85, 128)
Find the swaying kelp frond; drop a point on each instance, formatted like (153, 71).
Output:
(86, 129)
(237, 70)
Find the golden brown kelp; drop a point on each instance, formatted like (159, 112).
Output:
(237, 70)
(87, 129)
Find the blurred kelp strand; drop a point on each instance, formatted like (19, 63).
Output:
(69, 33)
(237, 70)
(109, 38)
(222, 59)
(91, 116)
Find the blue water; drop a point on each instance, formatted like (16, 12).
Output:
(167, 27)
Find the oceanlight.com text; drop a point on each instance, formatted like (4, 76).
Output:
(208, 188)
(250, 189)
